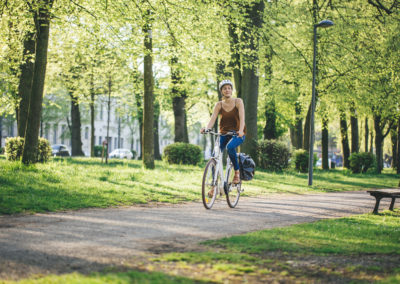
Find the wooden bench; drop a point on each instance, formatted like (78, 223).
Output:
(384, 193)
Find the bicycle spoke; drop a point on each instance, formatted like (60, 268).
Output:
(232, 190)
(210, 184)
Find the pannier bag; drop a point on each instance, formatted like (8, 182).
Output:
(246, 166)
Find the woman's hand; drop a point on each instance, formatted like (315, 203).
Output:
(202, 130)
(240, 133)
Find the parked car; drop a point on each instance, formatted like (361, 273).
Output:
(121, 154)
(60, 150)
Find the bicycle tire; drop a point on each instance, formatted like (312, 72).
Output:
(232, 191)
(207, 184)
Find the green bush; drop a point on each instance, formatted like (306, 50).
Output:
(15, 146)
(44, 150)
(182, 153)
(134, 154)
(273, 155)
(98, 149)
(301, 160)
(1, 150)
(361, 162)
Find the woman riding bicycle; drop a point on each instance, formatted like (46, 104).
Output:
(231, 111)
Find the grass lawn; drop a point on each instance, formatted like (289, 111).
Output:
(77, 183)
(357, 249)
(363, 248)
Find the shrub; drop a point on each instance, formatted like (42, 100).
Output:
(44, 150)
(273, 155)
(98, 149)
(1, 150)
(15, 146)
(134, 154)
(301, 160)
(182, 153)
(361, 162)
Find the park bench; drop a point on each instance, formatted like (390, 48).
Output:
(384, 193)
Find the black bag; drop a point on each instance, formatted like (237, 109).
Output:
(246, 166)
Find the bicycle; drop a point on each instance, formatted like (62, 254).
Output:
(212, 184)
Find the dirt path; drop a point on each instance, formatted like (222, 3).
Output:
(92, 239)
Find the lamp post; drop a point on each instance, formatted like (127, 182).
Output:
(322, 24)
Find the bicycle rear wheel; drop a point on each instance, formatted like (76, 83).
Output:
(232, 191)
(211, 181)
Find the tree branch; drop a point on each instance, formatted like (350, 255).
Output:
(83, 8)
(377, 4)
(297, 49)
(389, 128)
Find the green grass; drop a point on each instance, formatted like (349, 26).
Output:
(77, 183)
(353, 235)
(334, 248)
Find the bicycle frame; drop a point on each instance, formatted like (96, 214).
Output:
(217, 156)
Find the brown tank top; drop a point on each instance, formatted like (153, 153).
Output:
(230, 120)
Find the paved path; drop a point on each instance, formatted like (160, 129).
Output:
(91, 239)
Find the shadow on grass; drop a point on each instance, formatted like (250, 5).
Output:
(67, 269)
(97, 162)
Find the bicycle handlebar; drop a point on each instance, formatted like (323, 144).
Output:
(209, 131)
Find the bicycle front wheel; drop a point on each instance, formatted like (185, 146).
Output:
(211, 181)
(232, 191)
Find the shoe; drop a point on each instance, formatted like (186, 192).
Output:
(211, 193)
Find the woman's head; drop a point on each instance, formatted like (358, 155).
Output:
(225, 82)
(226, 87)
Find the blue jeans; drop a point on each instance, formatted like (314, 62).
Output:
(231, 142)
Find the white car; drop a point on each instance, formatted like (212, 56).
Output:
(121, 154)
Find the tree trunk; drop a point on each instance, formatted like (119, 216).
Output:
(398, 147)
(378, 144)
(178, 105)
(108, 140)
(157, 154)
(140, 120)
(379, 138)
(148, 98)
(393, 138)
(345, 140)
(235, 57)
(366, 134)
(325, 144)
(92, 117)
(76, 139)
(371, 147)
(296, 131)
(42, 20)
(250, 88)
(25, 82)
(270, 120)
(306, 137)
(178, 102)
(354, 131)
(250, 80)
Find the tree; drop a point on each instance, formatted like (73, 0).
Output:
(42, 19)
(345, 139)
(244, 43)
(148, 98)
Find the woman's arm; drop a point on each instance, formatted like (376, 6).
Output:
(240, 107)
(214, 115)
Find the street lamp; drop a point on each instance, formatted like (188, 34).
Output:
(322, 24)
